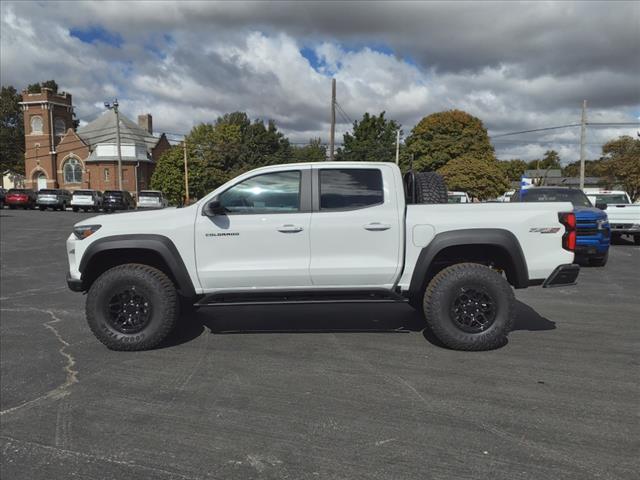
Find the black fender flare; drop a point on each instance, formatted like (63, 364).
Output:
(159, 244)
(495, 237)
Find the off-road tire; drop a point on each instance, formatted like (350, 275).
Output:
(599, 261)
(445, 287)
(157, 289)
(430, 188)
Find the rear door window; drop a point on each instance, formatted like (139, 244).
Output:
(350, 188)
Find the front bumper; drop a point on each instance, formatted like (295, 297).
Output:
(562, 276)
(74, 284)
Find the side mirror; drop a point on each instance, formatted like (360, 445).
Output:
(214, 208)
(601, 206)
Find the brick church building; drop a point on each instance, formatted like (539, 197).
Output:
(56, 156)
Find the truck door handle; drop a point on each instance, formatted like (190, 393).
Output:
(289, 229)
(377, 226)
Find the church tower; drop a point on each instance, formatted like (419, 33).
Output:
(47, 117)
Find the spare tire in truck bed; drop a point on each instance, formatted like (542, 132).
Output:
(429, 187)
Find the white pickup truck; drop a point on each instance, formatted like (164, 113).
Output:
(321, 232)
(624, 216)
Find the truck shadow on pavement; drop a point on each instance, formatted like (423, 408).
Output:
(377, 318)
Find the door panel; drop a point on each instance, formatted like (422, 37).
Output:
(263, 239)
(356, 235)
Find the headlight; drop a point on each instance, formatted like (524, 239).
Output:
(83, 231)
(602, 224)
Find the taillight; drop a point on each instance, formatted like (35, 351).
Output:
(568, 219)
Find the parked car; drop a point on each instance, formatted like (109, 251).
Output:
(3, 192)
(152, 199)
(593, 231)
(21, 197)
(113, 200)
(86, 200)
(56, 199)
(317, 233)
(458, 197)
(506, 197)
(624, 216)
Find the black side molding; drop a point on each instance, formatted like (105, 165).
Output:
(155, 243)
(491, 237)
(562, 276)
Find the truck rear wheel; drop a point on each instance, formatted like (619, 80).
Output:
(132, 307)
(430, 188)
(469, 306)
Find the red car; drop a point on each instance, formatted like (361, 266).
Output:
(20, 197)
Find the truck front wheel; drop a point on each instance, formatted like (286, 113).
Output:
(469, 306)
(132, 307)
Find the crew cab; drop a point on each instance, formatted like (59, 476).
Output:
(321, 232)
(593, 232)
(624, 216)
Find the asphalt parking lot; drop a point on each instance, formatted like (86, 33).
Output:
(307, 392)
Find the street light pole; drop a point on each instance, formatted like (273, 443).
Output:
(114, 106)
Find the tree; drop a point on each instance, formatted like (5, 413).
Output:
(592, 168)
(622, 160)
(11, 131)
(37, 87)
(550, 160)
(513, 169)
(480, 177)
(314, 151)
(440, 137)
(373, 139)
(168, 175)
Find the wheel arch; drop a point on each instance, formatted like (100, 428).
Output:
(487, 245)
(154, 250)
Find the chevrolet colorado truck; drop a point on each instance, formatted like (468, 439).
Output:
(317, 233)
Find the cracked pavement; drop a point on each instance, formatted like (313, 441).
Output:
(302, 392)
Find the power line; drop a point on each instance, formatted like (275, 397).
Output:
(535, 130)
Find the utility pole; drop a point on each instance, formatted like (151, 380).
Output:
(583, 134)
(186, 172)
(332, 135)
(114, 106)
(398, 147)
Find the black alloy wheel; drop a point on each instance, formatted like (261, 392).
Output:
(128, 311)
(473, 310)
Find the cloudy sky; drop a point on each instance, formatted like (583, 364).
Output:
(517, 66)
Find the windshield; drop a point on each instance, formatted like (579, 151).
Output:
(149, 194)
(113, 193)
(612, 198)
(45, 191)
(576, 197)
(83, 192)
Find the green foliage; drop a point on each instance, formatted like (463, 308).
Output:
(513, 169)
(592, 168)
(441, 137)
(550, 160)
(373, 139)
(11, 131)
(622, 161)
(313, 152)
(37, 87)
(481, 177)
(218, 152)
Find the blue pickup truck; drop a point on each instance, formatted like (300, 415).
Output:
(593, 231)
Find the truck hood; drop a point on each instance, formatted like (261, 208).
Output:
(138, 221)
(589, 213)
(623, 213)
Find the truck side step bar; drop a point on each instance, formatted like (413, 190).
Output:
(281, 297)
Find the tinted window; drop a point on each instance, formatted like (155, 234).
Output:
(83, 192)
(47, 191)
(150, 194)
(612, 198)
(18, 190)
(112, 193)
(576, 197)
(269, 193)
(350, 188)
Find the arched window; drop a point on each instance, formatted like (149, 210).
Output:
(36, 124)
(72, 171)
(60, 126)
